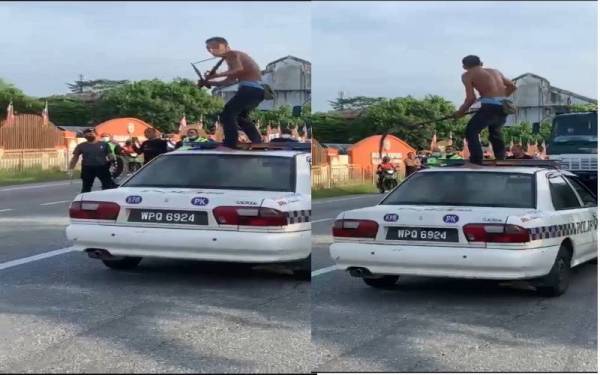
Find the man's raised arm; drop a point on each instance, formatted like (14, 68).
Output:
(510, 85)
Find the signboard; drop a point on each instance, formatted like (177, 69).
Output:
(395, 157)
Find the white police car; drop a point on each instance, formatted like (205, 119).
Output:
(495, 222)
(239, 206)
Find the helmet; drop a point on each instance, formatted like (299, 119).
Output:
(386, 159)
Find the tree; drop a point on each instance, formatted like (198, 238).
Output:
(97, 85)
(354, 103)
(159, 103)
(65, 111)
(21, 102)
(402, 117)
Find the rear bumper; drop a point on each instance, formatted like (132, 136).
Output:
(469, 263)
(228, 246)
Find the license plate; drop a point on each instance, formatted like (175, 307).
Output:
(422, 234)
(168, 217)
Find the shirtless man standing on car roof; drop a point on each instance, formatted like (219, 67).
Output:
(244, 71)
(493, 89)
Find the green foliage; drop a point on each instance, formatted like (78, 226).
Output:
(398, 115)
(583, 107)
(329, 128)
(354, 103)
(97, 85)
(159, 103)
(21, 102)
(282, 116)
(401, 115)
(65, 111)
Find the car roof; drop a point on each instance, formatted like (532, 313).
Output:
(526, 170)
(279, 153)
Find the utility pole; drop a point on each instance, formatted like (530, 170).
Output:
(341, 100)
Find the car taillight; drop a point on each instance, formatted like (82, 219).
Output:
(355, 228)
(501, 233)
(94, 210)
(250, 216)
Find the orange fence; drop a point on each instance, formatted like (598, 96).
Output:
(28, 132)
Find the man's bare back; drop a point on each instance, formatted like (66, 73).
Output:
(250, 70)
(488, 82)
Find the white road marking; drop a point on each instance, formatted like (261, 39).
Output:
(321, 271)
(34, 258)
(6, 209)
(319, 201)
(322, 220)
(39, 186)
(51, 203)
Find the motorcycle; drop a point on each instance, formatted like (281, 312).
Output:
(133, 162)
(116, 167)
(389, 181)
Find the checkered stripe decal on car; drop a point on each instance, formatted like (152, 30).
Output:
(301, 216)
(562, 230)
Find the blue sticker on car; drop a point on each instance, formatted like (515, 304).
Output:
(451, 219)
(199, 201)
(133, 199)
(390, 217)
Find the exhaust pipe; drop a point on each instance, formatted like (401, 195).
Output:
(359, 272)
(99, 254)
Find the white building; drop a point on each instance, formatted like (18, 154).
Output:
(536, 100)
(290, 79)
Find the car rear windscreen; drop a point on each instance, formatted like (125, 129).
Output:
(218, 171)
(457, 188)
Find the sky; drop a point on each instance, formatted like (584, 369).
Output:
(394, 49)
(45, 45)
(383, 48)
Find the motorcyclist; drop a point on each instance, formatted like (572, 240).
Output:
(113, 146)
(452, 154)
(115, 151)
(130, 155)
(385, 165)
(191, 137)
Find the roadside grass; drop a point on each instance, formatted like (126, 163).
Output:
(341, 190)
(30, 175)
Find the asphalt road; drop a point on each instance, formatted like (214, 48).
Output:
(429, 325)
(68, 313)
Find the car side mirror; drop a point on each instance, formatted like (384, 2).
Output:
(535, 128)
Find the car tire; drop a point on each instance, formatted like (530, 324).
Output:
(303, 269)
(126, 263)
(383, 282)
(557, 281)
(594, 261)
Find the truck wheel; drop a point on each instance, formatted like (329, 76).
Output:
(382, 282)
(125, 263)
(557, 281)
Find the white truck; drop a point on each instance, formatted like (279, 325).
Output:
(574, 144)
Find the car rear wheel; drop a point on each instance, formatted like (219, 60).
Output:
(125, 263)
(381, 282)
(557, 281)
(302, 269)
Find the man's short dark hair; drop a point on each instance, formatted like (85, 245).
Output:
(89, 130)
(217, 39)
(471, 61)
